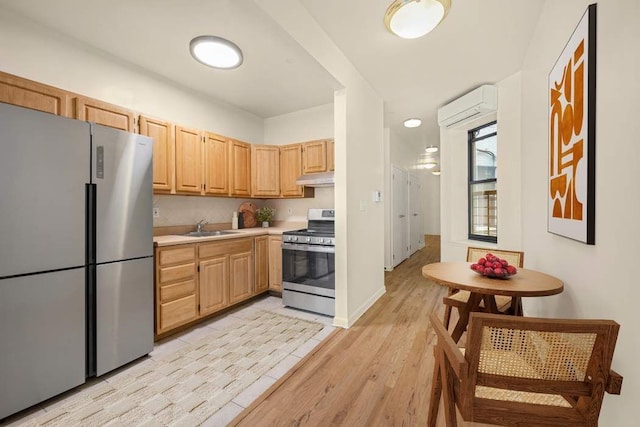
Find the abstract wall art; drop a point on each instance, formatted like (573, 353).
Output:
(572, 131)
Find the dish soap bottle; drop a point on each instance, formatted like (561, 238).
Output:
(234, 220)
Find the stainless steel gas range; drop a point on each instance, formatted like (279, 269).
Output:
(308, 264)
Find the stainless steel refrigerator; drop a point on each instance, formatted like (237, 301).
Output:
(76, 253)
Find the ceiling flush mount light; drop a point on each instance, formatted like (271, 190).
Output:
(411, 19)
(216, 52)
(412, 123)
(436, 172)
(431, 149)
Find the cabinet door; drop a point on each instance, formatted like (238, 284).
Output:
(188, 161)
(163, 152)
(290, 170)
(240, 276)
(330, 155)
(262, 263)
(216, 164)
(275, 263)
(265, 170)
(314, 156)
(104, 114)
(36, 96)
(214, 280)
(240, 172)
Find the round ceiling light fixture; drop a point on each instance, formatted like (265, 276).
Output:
(216, 52)
(411, 19)
(431, 149)
(412, 123)
(436, 172)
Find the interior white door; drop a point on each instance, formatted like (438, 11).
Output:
(416, 233)
(399, 213)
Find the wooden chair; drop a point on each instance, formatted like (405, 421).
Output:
(525, 371)
(458, 298)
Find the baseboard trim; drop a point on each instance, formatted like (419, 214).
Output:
(348, 322)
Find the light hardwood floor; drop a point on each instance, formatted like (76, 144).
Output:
(378, 372)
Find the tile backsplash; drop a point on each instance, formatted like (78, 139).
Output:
(188, 210)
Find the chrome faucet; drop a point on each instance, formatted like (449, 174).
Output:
(200, 225)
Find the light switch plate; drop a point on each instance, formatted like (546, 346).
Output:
(156, 212)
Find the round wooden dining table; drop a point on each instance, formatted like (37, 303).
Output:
(458, 275)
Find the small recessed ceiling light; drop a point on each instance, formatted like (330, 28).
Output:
(411, 19)
(436, 172)
(412, 123)
(216, 52)
(431, 149)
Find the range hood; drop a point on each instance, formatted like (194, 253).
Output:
(325, 179)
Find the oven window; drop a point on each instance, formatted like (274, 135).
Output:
(308, 268)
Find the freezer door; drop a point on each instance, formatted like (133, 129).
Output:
(122, 171)
(124, 312)
(44, 166)
(42, 330)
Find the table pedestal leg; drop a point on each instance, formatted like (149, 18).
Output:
(472, 305)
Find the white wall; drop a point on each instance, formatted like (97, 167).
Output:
(359, 164)
(455, 175)
(300, 126)
(400, 153)
(600, 281)
(36, 53)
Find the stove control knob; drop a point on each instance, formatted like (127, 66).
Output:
(321, 240)
(295, 238)
(308, 239)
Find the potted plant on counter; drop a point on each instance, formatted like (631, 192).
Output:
(265, 215)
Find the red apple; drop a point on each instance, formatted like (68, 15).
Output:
(504, 262)
(488, 271)
(511, 270)
(482, 261)
(474, 266)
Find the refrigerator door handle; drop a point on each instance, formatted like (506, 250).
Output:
(90, 282)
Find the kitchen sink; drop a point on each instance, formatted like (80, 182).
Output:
(208, 233)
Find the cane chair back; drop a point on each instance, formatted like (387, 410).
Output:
(528, 371)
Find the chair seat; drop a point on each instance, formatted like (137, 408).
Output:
(460, 298)
(521, 396)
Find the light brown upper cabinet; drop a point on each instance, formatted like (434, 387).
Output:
(314, 156)
(265, 170)
(240, 168)
(290, 170)
(163, 137)
(104, 114)
(216, 164)
(330, 155)
(36, 96)
(188, 161)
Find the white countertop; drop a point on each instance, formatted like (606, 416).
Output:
(171, 239)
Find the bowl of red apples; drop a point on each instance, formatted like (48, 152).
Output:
(494, 267)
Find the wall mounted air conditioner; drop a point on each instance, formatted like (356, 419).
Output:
(477, 103)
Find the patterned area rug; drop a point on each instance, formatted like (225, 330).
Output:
(188, 386)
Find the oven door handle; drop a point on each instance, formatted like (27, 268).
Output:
(308, 248)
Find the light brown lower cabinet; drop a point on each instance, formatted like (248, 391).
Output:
(275, 263)
(262, 263)
(196, 280)
(176, 302)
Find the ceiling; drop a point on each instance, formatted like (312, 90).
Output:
(480, 41)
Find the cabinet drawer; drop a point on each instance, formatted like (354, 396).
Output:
(177, 290)
(178, 312)
(208, 250)
(177, 255)
(178, 272)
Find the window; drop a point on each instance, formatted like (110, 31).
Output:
(483, 183)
